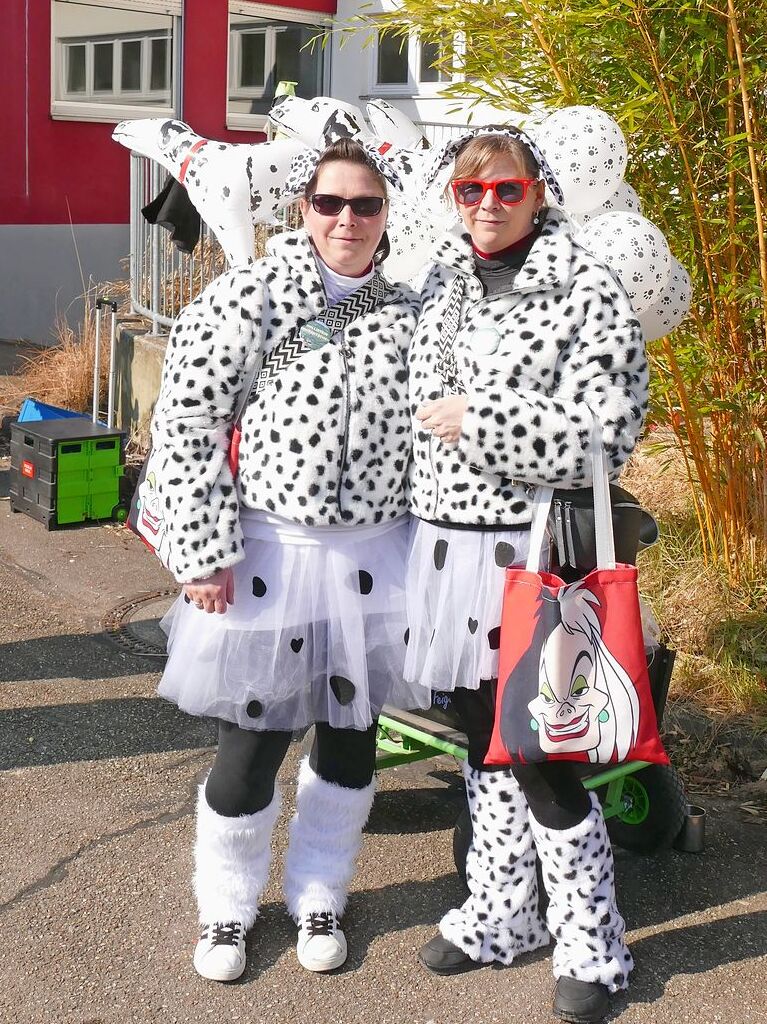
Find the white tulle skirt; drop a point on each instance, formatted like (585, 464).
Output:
(316, 631)
(454, 595)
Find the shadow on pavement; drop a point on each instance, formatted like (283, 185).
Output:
(70, 655)
(695, 949)
(126, 727)
(417, 810)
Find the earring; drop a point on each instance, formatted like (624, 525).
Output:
(536, 218)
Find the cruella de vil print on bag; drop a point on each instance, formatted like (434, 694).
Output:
(564, 334)
(325, 444)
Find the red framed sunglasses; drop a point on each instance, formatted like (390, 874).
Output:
(508, 191)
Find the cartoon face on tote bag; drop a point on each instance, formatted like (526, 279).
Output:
(150, 524)
(580, 701)
(586, 699)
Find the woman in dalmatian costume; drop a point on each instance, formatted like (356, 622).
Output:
(520, 327)
(294, 608)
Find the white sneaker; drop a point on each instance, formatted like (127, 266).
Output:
(220, 951)
(321, 943)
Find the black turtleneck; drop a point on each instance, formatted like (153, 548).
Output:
(497, 271)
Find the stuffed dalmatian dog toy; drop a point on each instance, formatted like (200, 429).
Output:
(232, 186)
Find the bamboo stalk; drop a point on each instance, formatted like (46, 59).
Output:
(652, 54)
(747, 119)
(547, 51)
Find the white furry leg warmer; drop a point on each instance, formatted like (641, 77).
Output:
(500, 919)
(583, 916)
(231, 861)
(325, 838)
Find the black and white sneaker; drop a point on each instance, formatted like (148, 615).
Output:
(321, 943)
(220, 951)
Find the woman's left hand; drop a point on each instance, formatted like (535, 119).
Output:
(444, 417)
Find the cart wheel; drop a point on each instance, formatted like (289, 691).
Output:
(120, 513)
(654, 808)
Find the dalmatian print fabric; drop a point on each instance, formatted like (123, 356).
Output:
(455, 592)
(326, 444)
(582, 915)
(564, 335)
(500, 920)
(316, 631)
(445, 155)
(305, 164)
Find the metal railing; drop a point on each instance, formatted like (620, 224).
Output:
(162, 278)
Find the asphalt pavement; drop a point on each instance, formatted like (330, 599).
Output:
(98, 780)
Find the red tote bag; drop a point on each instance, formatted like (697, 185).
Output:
(572, 677)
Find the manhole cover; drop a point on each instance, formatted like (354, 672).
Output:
(135, 624)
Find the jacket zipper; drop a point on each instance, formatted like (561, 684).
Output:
(345, 446)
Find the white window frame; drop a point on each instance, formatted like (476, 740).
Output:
(83, 106)
(288, 15)
(414, 87)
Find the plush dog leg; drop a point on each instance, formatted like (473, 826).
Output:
(325, 838)
(232, 857)
(500, 919)
(582, 914)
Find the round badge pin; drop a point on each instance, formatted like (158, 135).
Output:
(485, 341)
(315, 334)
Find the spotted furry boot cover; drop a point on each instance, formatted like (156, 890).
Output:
(325, 838)
(500, 919)
(231, 861)
(582, 915)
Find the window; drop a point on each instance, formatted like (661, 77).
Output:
(269, 45)
(113, 59)
(404, 65)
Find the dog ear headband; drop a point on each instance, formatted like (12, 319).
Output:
(305, 164)
(448, 152)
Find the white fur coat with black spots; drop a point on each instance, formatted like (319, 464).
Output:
(564, 334)
(328, 441)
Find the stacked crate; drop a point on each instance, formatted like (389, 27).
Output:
(66, 471)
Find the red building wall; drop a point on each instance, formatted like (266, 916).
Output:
(51, 170)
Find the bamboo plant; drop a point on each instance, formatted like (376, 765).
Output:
(686, 81)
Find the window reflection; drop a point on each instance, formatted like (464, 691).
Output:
(110, 55)
(264, 52)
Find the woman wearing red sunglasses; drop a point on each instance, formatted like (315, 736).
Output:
(293, 568)
(519, 327)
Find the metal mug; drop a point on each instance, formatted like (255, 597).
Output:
(692, 837)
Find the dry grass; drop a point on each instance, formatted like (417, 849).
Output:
(63, 374)
(720, 634)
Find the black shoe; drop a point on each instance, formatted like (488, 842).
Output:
(440, 956)
(580, 1002)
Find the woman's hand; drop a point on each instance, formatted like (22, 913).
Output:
(444, 417)
(214, 593)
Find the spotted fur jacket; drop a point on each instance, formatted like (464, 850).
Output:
(326, 443)
(564, 334)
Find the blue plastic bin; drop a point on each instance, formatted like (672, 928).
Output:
(32, 411)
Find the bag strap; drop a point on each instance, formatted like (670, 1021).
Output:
(310, 335)
(603, 518)
(447, 364)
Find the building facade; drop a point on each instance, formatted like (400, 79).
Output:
(73, 69)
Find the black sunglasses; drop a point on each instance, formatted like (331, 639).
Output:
(362, 206)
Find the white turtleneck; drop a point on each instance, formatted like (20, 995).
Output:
(338, 286)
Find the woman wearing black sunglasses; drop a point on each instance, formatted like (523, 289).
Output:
(519, 326)
(301, 553)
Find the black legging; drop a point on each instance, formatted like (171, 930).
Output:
(552, 789)
(247, 761)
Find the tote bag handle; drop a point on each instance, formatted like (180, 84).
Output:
(603, 519)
